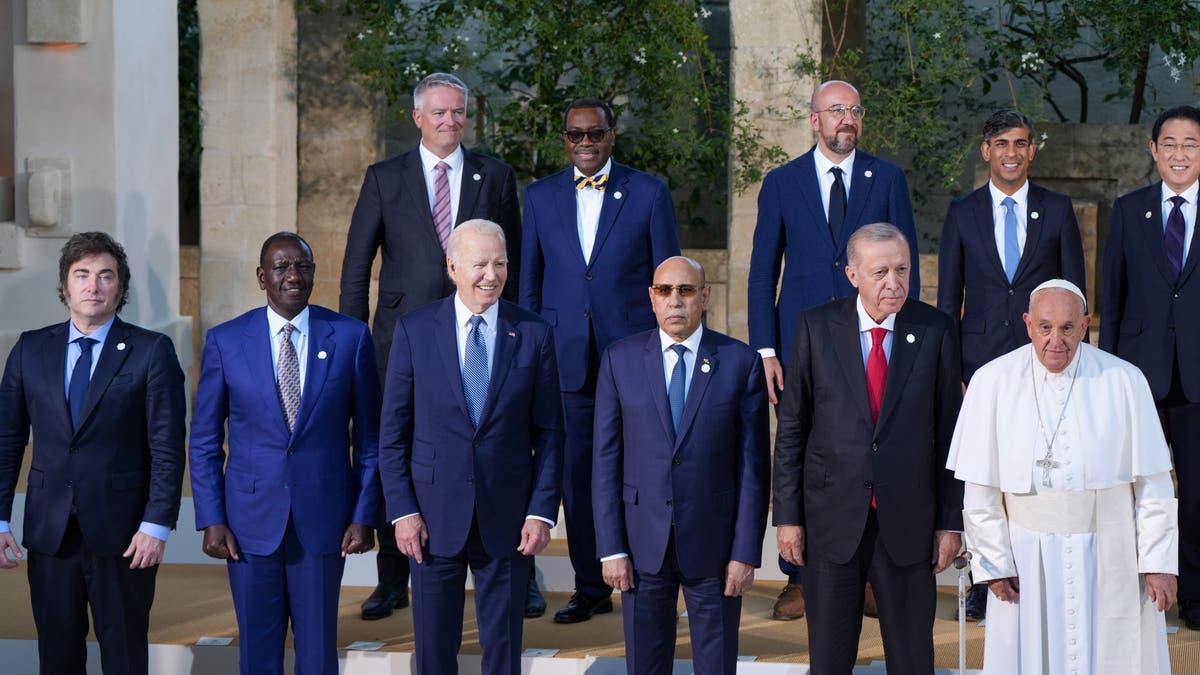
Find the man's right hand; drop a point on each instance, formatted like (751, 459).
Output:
(220, 543)
(618, 573)
(773, 369)
(1007, 589)
(791, 543)
(9, 543)
(411, 535)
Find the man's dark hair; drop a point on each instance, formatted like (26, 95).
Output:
(1003, 120)
(84, 244)
(282, 236)
(1183, 112)
(587, 104)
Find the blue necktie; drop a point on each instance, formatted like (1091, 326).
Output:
(675, 391)
(1012, 251)
(81, 375)
(1173, 235)
(475, 371)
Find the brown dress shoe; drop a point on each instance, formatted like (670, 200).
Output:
(790, 605)
(869, 608)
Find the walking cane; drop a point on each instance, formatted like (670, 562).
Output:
(963, 564)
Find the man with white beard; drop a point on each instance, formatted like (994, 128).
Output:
(1069, 511)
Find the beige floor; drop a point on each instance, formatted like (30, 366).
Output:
(193, 601)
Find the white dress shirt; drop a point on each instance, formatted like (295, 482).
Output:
(1021, 197)
(588, 203)
(1188, 209)
(454, 175)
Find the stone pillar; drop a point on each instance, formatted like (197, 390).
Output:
(97, 107)
(248, 169)
(767, 36)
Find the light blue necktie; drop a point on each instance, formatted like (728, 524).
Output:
(675, 391)
(475, 371)
(1012, 251)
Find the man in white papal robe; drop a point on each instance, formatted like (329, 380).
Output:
(1069, 511)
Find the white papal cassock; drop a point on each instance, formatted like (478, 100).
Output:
(1078, 544)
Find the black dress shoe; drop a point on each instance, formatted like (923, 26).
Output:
(382, 601)
(535, 604)
(976, 609)
(1189, 613)
(582, 607)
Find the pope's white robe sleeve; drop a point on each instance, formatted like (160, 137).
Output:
(1155, 511)
(985, 526)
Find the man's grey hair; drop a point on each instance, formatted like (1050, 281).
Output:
(434, 81)
(873, 233)
(476, 226)
(821, 87)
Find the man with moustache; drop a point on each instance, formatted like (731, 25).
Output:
(470, 451)
(1150, 314)
(997, 244)
(105, 401)
(681, 476)
(807, 210)
(860, 489)
(594, 233)
(297, 388)
(1069, 508)
(407, 207)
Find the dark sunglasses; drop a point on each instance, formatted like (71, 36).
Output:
(593, 135)
(665, 290)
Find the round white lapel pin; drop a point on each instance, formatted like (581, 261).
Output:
(120, 346)
(1033, 214)
(477, 177)
(321, 354)
(868, 173)
(910, 338)
(705, 368)
(616, 195)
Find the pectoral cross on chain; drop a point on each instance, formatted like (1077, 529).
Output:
(1047, 463)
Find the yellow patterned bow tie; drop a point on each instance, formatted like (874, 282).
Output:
(596, 182)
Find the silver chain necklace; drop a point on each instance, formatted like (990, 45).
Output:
(1048, 462)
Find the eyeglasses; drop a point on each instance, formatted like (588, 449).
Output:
(840, 111)
(1170, 147)
(665, 290)
(593, 135)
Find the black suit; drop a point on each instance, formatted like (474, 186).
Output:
(1153, 321)
(393, 213)
(90, 489)
(969, 265)
(830, 458)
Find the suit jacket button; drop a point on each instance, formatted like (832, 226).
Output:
(588, 277)
(587, 313)
(73, 450)
(875, 447)
(1006, 323)
(291, 451)
(668, 502)
(868, 484)
(837, 263)
(832, 298)
(1010, 291)
(1176, 295)
(676, 462)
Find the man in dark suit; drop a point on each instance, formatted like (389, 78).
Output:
(1150, 314)
(407, 207)
(470, 451)
(861, 491)
(998, 243)
(807, 210)
(298, 387)
(594, 233)
(681, 476)
(105, 400)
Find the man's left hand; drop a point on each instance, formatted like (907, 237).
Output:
(535, 536)
(1162, 589)
(946, 545)
(145, 551)
(738, 578)
(358, 538)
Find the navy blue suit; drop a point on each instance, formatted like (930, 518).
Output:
(90, 488)
(682, 505)
(288, 497)
(591, 304)
(969, 266)
(1152, 320)
(473, 486)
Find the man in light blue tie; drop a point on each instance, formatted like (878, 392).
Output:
(681, 476)
(470, 450)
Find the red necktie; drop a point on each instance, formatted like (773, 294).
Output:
(876, 378)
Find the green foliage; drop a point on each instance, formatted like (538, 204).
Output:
(525, 59)
(189, 121)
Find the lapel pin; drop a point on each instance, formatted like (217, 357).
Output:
(477, 177)
(1034, 215)
(616, 195)
(910, 338)
(868, 173)
(1148, 214)
(705, 367)
(120, 346)
(321, 354)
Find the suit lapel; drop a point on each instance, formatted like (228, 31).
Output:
(653, 359)
(847, 347)
(256, 349)
(470, 186)
(901, 362)
(568, 215)
(507, 340)
(54, 361)
(445, 338)
(616, 193)
(860, 190)
(112, 356)
(705, 356)
(414, 178)
(320, 355)
(985, 229)
(810, 191)
(1034, 226)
